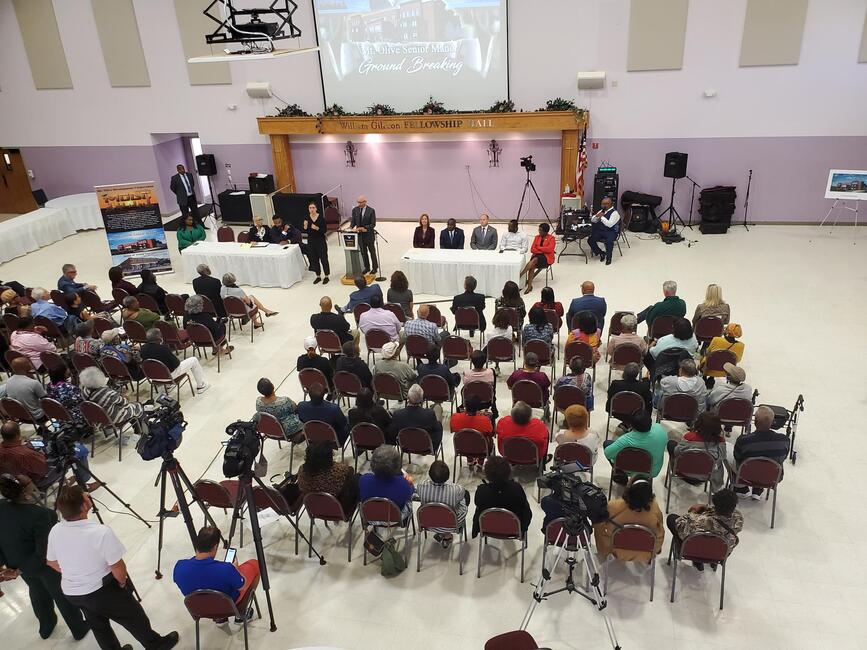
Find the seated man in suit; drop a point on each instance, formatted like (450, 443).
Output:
(363, 294)
(484, 237)
(415, 415)
(326, 319)
(587, 302)
(606, 229)
(285, 233)
(469, 298)
(452, 237)
(205, 285)
(259, 232)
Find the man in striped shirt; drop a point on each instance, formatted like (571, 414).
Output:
(437, 489)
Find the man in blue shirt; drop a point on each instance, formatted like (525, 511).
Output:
(587, 302)
(42, 307)
(204, 571)
(67, 283)
(364, 293)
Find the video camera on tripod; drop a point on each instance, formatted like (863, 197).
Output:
(583, 502)
(162, 428)
(242, 448)
(60, 447)
(528, 164)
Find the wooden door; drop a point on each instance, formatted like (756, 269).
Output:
(15, 194)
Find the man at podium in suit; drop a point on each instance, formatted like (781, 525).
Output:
(452, 237)
(184, 186)
(364, 222)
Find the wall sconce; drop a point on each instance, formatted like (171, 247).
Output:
(494, 151)
(350, 150)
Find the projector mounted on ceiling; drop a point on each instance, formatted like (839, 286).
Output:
(255, 29)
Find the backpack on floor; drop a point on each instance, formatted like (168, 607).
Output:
(393, 563)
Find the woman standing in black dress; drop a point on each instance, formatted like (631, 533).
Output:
(316, 229)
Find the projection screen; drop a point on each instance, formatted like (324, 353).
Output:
(400, 52)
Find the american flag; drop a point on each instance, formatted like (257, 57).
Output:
(582, 164)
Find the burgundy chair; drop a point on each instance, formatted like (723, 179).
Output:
(678, 407)
(412, 440)
(58, 298)
(387, 387)
(523, 452)
(219, 495)
(565, 396)
(530, 392)
(203, 340)
(118, 372)
(94, 303)
(225, 234)
(632, 460)
(694, 464)
(543, 351)
(272, 429)
(439, 516)
(207, 305)
(517, 640)
(662, 326)
(328, 342)
(307, 377)
(158, 374)
(135, 331)
(11, 355)
(708, 327)
(176, 306)
(623, 405)
(326, 507)
(178, 340)
(556, 322)
(243, 237)
(614, 327)
(467, 318)
(101, 325)
(268, 497)
(365, 437)
(578, 349)
(52, 360)
(11, 322)
(437, 390)
(236, 310)
(554, 536)
(635, 538)
(501, 350)
(384, 513)
(53, 332)
(435, 317)
(97, 418)
(707, 548)
(346, 385)
(499, 523)
(397, 310)
(374, 339)
(715, 361)
(208, 603)
(80, 361)
(575, 452)
(359, 309)
(456, 348)
(16, 411)
(318, 431)
(54, 410)
(417, 347)
(481, 389)
(469, 444)
(623, 354)
(147, 302)
(736, 412)
(760, 472)
(514, 323)
(119, 294)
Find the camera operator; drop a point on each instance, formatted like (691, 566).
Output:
(24, 528)
(93, 576)
(19, 458)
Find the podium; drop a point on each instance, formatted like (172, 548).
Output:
(354, 264)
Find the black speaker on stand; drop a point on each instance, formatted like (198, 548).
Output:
(206, 165)
(674, 168)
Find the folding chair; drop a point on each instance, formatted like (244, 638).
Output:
(384, 513)
(564, 397)
(707, 548)
(524, 453)
(517, 640)
(119, 373)
(387, 387)
(208, 603)
(437, 390)
(480, 389)
(575, 452)
(760, 472)
(632, 537)
(358, 310)
(225, 234)
(94, 303)
(203, 340)
(159, 375)
(177, 340)
(328, 342)
(135, 332)
(543, 351)
(237, 310)
(632, 460)
(53, 333)
(502, 350)
(318, 431)
(16, 411)
(80, 361)
(326, 507)
(469, 444)
(515, 324)
(176, 306)
(397, 310)
(272, 429)
(662, 326)
(467, 318)
(346, 385)
(678, 407)
(736, 412)
(623, 354)
(499, 523)
(439, 516)
(374, 339)
(614, 327)
(307, 377)
(147, 302)
(412, 440)
(531, 393)
(417, 348)
(555, 321)
(96, 417)
(707, 328)
(623, 405)
(365, 437)
(579, 349)
(695, 464)
(456, 348)
(435, 317)
(716, 360)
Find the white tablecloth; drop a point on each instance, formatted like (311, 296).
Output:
(83, 210)
(442, 272)
(26, 233)
(271, 266)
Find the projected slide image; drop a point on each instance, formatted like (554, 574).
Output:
(400, 52)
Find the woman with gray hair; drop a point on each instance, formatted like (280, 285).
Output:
(231, 288)
(194, 312)
(94, 388)
(628, 325)
(387, 480)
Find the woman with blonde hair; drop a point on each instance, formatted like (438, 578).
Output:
(713, 305)
(577, 419)
(231, 288)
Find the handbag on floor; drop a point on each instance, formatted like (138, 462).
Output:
(392, 563)
(373, 543)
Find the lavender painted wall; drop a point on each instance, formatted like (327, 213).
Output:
(167, 156)
(244, 158)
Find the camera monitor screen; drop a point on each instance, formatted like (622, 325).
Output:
(401, 52)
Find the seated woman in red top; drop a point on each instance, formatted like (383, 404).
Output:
(424, 234)
(541, 255)
(522, 424)
(548, 302)
(470, 418)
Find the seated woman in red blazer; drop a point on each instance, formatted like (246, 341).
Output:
(541, 255)
(424, 234)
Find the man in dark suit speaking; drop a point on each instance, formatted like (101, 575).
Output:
(452, 237)
(364, 222)
(184, 186)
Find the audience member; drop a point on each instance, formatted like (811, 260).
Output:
(538, 329)
(501, 491)
(588, 301)
(24, 529)
(531, 371)
(722, 518)
(320, 473)
(762, 441)
(19, 458)
(194, 312)
(17, 287)
(471, 418)
(521, 424)
(469, 298)
(350, 362)
(22, 387)
(628, 325)
(452, 237)
(541, 255)
(113, 346)
(682, 337)
(231, 288)
(577, 421)
(118, 281)
(631, 382)
(93, 575)
(85, 343)
(437, 489)
(547, 302)
(95, 388)
(156, 349)
(67, 284)
(26, 340)
(484, 236)
(282, 408)
(368, 411)
(317, 408)
(312, 359)
(190, 232)
(133, 311)
(387, 481)
(424, 236)
(478, 372)
(580, 378)
(728, 341)
(211, 288)
(13, 303)
(687, 382)
(68, 394)
(501, 325)
(435, 367)
(706, 435)
(259, 232)
(380, 318)
(645, 434)
(362, 294)
(205, 571)
(327, 319)
(588, 331)
(416, 416)
(670, 305)
(638, 506)
(421, 326)
(149, 286)
(734, 388)
(390, 364)
(41, 306)
(514, 239)
(510, 298)
(713, 305)
(399, 292)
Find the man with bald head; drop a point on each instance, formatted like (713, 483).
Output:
(327, 319)
(22, 387)
(364, 222)
(588, 301)
(763, 442)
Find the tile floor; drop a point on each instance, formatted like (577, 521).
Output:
(798, 586)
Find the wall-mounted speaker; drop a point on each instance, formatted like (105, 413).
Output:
(591, 80)
(675, 164)
(206, 165)
(259, 89)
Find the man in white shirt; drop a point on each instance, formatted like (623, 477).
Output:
(484, 237)
(89, 558)
(606, 228)
(514, 240)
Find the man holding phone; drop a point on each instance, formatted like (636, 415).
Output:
(205, 571)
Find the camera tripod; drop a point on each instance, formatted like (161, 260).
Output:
(172, 468)
(579, 529)
(246, 497)
(528, 184)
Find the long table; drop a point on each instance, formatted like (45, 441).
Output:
(270, 266)
(83, 210)
(442, 272)
(28, 232)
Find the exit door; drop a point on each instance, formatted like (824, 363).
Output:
(15, 194)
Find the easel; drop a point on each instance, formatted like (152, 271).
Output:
(837, 217)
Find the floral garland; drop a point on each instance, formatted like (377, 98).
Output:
(431, 107)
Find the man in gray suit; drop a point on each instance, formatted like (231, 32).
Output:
(484, 237)
(184, 186)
